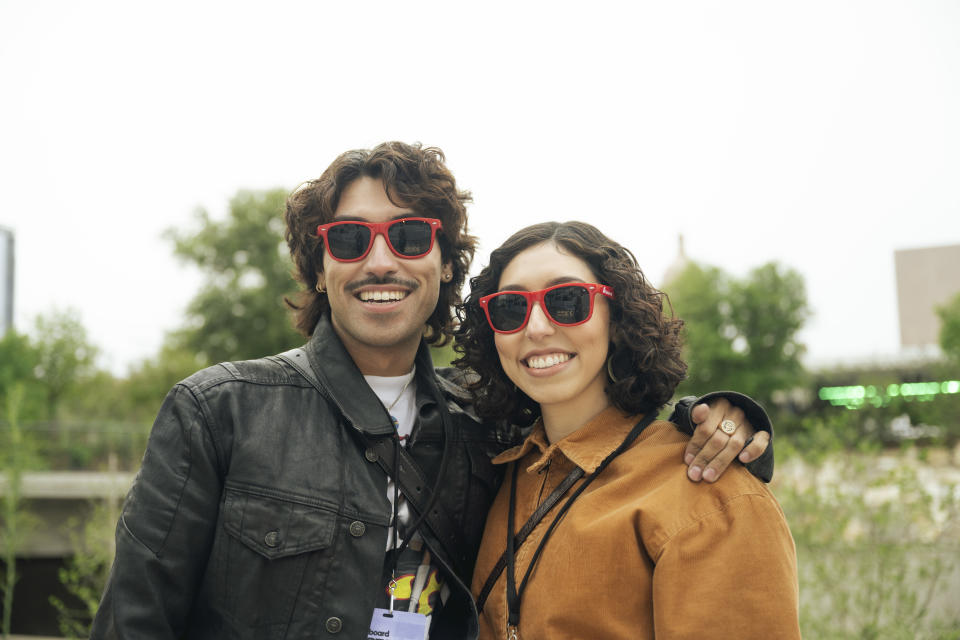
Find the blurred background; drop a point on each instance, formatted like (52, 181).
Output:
(787, 172)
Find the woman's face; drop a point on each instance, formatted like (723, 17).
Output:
(555, 365)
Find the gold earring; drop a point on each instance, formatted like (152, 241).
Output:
(613, 378)
(447, 277)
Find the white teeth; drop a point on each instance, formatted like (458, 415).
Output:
(381, 296)
(542, 362)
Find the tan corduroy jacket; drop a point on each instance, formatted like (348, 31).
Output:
(643, 552)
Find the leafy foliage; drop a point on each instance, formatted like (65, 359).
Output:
(239, 311)
(64, 355)
(18, 363)
(950, 328)
(16, 455)
(876, 551)
(85, 573)
(741, 333)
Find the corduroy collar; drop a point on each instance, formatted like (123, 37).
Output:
(586, 447)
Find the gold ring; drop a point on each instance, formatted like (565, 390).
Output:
(728, 426)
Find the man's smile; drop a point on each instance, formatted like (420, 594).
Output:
(382, 296)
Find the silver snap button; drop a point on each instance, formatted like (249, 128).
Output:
(272, 539)
(370, 455)
(334, 624)
(357, 528)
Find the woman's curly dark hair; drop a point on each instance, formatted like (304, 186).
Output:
(415, 177)
(644, 343)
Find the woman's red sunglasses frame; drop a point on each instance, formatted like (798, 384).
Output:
(380, 229)
(537, 296)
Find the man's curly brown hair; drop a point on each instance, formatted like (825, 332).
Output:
(644, 343)
(415, 178)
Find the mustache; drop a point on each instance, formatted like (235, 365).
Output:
(375, 280)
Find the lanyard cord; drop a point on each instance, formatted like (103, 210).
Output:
(430, 501)
(513, 593)
(396, 524)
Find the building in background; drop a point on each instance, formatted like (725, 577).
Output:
(6, 280)
(926, 279)
(678, 266)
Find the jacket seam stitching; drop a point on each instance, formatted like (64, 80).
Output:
(697, 520)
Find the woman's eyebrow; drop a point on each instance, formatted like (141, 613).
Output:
(550, 283)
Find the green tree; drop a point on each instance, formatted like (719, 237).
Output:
(768, 309)
(700, 296)
(950, 328)
(741, 333)
(148, 382)
(18, 363)
(239, 312)
(16, 523)
(64, 355)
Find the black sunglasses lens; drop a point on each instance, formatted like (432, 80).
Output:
(410, 237)
(568, 305)
(507, 311)
(348, 241)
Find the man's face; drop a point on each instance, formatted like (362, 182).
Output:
(380, 305)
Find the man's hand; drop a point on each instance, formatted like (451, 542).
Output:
(710, 450)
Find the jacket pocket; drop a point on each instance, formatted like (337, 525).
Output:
(272, 549)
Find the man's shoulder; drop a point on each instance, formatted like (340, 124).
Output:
(454, 382)
(270, 370)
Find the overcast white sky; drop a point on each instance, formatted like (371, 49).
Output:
(820, 134)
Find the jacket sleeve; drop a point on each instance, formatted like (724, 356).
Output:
(762, 467)
(733, 569)
(165, 529)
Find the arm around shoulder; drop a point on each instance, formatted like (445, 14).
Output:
(762, 466)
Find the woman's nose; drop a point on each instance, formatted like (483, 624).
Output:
(538, 324)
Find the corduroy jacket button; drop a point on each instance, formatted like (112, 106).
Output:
(334, 624)
(272, 539)
(370, 455)
(357, 528)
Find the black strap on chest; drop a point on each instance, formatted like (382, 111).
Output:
(514, 541)
(410, 477)
(532, 522)
(413, 483)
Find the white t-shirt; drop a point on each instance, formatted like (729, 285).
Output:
(421, 588)
(401, 392)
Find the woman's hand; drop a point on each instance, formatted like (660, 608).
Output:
(711, 449)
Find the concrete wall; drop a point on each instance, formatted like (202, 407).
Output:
(926, 278)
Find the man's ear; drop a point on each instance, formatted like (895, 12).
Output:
(446, 273)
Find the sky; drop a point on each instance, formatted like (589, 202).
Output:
(820, 134)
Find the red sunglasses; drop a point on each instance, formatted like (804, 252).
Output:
(566, 305)
(351, 240)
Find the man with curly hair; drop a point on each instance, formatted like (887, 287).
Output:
(267, 498)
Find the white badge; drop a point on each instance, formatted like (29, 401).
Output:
(398, 625)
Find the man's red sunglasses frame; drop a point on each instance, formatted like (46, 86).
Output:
(380, 229)
(537, 296)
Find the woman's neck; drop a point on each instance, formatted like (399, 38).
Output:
(562, 419)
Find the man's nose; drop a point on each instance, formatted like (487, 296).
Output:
(381, 259)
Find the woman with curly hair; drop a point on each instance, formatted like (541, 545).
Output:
(596, 531)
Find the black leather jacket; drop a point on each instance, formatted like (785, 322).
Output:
(260, 511)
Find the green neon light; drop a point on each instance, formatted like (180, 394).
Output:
(855, 396)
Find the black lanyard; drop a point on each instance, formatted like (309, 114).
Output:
(513, 593)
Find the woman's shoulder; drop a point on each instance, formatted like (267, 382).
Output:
(673, 502)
